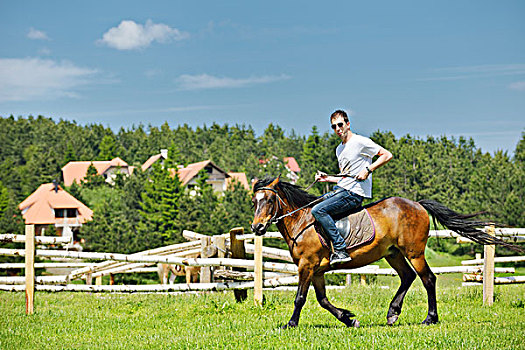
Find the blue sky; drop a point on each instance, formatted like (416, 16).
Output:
(454, 68)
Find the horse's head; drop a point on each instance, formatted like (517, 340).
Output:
(267, 202)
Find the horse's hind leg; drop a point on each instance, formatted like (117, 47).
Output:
(407, 276)
(429, 281)
(341, 314)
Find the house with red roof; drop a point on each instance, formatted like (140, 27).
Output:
(290, 165)
(239, 177)
(51, 205)
(293, 168)
(76, 171)
(155, 158)
(218, 178)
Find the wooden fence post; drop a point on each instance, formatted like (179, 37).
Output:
(348, 280)
(220, 242)
(258, 280)
(238, 251)
(488, 271)
(30, 269)
(206, 273)
(363, 280)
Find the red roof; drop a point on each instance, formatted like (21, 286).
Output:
(241, 177)
(291, 163)
(39, 207)
(188, 173)
(76, 171)
(150, 161)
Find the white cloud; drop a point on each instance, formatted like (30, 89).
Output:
(205, 81)
(44, 51)
(151, 73)
(130, 35)
(474, 72)
(37, 34)
(519, 85)
(25, 79)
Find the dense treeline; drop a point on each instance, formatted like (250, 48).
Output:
(148, 210)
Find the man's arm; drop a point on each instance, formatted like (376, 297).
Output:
(384, 157)
(323, 177)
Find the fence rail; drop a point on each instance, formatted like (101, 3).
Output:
(224, 253)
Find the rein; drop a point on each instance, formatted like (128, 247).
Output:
(318, 200)
(276, 219)
(335, 175)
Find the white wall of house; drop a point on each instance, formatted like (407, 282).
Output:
(217, 180)
(111, 173)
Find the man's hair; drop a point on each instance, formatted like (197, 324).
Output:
(340, 113)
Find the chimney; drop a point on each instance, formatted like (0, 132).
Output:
(55, 184)
(164, 153)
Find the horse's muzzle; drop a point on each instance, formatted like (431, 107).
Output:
(259, 229)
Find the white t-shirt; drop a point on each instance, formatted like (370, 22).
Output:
(353, 157)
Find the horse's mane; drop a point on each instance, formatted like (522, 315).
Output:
(295, 195)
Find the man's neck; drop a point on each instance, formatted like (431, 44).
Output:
(344, 140)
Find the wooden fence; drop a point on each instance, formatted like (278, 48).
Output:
(486, 276)
(222, 257)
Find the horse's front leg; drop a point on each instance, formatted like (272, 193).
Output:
(305, 278)
(342, 315)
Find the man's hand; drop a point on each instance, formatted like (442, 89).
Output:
(362, 176)
(321, 176)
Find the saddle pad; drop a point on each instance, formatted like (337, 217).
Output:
(360, 229)
(356, 229)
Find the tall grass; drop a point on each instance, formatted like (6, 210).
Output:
(216, 321)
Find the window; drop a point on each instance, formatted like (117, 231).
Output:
(66, 213)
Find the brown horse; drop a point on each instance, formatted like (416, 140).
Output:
(402, 228)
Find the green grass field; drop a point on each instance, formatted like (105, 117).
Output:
(216, 321)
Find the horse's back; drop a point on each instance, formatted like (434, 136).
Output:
(399, 217)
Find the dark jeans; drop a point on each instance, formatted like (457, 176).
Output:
(335, 204)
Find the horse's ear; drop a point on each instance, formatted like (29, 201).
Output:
(274, 182)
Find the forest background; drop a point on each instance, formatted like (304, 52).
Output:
(147, 210)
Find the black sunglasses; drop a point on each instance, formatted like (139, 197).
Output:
(337, 125)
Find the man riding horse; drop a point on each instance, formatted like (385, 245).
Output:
(354, 182)
(401, 228)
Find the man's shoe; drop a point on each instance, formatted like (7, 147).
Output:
(339, 256)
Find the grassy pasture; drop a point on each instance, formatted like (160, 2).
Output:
(216, 321)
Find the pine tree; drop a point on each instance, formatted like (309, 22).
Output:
(92, 178)
(314, 159)
(107, 148)
(159, 207)
(237, 207)
(4, 198)
(10, 219)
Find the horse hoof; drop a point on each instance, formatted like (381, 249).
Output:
(429, 321)
(391, 320)
(288, 325)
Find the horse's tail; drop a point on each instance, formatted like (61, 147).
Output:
(460, 224)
